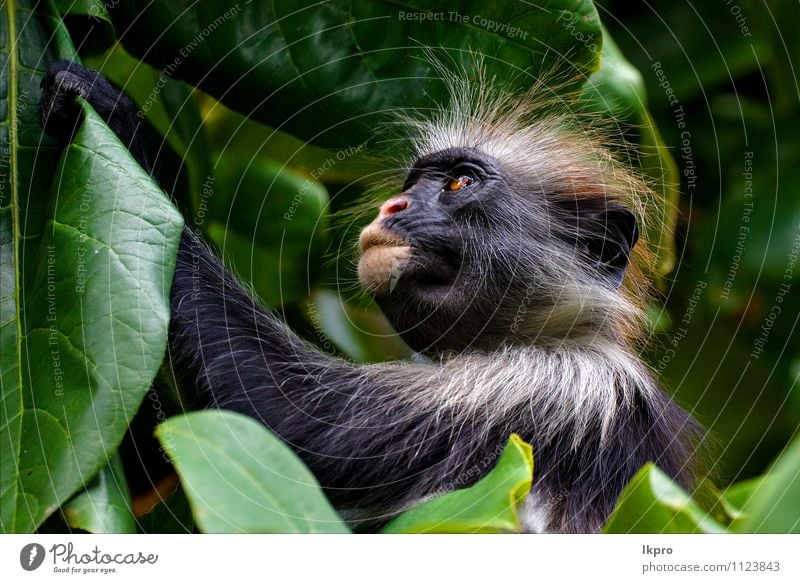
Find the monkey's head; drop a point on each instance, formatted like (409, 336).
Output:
(506, 230)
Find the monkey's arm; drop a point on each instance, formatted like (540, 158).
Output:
(352, 425)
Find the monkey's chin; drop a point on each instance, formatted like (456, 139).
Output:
(384, 256)
(381, 266)
(388, 258)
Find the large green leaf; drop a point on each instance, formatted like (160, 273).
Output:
(239, 477)
(105, 505)
(773, 504)
(322, 70)
(488, 506)
(85, 269)
(653, 504)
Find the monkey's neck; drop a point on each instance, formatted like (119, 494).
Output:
(592, 318)
(575, 385)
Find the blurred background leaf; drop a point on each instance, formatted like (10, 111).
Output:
(322, 70)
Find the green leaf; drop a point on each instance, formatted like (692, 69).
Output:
(653, 504)
(105, 505)
(774, 503)
(737, 496)
(363, 334)
(92, 8)
(323, 70)
(240, 478)
(488, 506)
(85, 269)
(270, 224)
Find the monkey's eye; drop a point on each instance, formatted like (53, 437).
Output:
(459, 183)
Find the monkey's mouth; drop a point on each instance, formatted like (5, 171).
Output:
(377, 236)
(387, 257)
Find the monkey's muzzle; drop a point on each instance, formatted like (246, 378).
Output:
(384, 256)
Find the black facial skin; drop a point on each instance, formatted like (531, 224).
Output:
(441, 302)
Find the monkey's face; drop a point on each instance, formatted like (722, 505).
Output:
(473, 254)
(427, 258)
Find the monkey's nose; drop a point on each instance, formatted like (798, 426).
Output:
(392, 206)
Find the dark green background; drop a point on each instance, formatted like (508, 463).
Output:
(739, 94)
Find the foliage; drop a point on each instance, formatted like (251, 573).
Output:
(248, 481)
(652, 503)
(488, 506)
(722, 91)
(86, 271)
(79, 265)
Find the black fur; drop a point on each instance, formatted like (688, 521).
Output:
(61, 114)
(351, 424)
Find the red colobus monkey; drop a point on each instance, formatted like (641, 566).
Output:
(508, 258)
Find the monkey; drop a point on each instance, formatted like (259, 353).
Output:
(510, 258)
